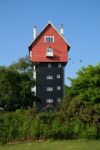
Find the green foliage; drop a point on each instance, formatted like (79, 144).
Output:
(23, 65)
(87, 84)
(89, 133)
(77, 117)
(82, 103)
(16, 125)
(15, 86)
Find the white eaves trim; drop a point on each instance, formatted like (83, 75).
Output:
(58, 32)
(44, 29)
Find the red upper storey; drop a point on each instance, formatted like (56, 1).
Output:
(49, 46)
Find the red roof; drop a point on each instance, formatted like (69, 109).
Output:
(60, 46)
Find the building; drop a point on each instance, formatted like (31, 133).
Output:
(49, 52)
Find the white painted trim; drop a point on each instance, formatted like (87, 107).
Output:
(34, 32)
(44, 29)
(58, 32)
(49, 37)
(30, 54)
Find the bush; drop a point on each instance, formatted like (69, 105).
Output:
(28, 124)
(89, 133)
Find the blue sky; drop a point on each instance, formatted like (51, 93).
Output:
(81, 20)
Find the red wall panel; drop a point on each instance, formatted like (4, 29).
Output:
(59, 46)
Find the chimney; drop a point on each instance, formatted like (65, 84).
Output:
(62, 30)
(34, 32)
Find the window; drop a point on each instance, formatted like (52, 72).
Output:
(49, 88)
(49, 49)
(49, 39)
(33, 89)
(58, 100)
(49, 65)
(49, 52)
(58, 76)
(49, 77)
(58, 87)
(49, 100)
(30, 53)
(59, 65)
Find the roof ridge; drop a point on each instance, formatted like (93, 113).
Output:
(49, 22)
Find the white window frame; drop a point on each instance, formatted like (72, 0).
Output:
(30, 53)
(49, 88)
(58, 87)
(58, 76)
(49, 77)
(50, 39)
(49, 65)
(49, 52)
(49, 100)
(59, 65)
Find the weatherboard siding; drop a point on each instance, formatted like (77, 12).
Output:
(59, 46)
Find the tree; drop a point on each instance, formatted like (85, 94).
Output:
(23, 65)
(82, 102)
(15, 85)
(87, 84)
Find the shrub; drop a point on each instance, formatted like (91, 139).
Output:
(89, 133)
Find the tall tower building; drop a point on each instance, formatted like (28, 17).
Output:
(49, 52)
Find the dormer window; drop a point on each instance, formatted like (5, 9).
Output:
(49, 52)
(49, 39)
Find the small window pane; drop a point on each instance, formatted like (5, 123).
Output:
(49, 88)
(49, 65)
(49, 77)
(58, 100)
(58, 88)
(49, 100)
(49, 49)
(58, 76)
(49, 38)
(59, 65)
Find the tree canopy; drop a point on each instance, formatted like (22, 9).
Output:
(15, 85)
(87, 84)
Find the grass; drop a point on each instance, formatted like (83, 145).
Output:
(54, 145)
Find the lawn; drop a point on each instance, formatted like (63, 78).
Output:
(54, 145)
